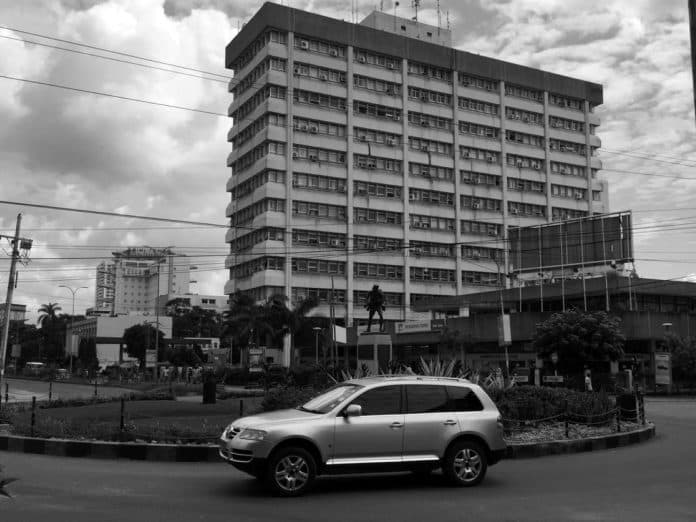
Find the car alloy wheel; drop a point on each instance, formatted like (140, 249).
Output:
(465, 464)
(291, 471)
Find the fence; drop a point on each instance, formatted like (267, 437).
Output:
(629, 408)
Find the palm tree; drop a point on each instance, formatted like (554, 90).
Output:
(288, 320)
(48, 314)
(246, 321)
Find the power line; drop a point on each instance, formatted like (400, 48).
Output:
(128, 98)
(114, 52)
(111, 58)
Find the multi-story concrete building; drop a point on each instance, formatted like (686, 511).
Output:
(376, 153)
(136, 277)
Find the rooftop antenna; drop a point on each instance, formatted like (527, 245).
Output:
(396, 4)
(439, 18)
(448, 22)
(416, 5)
(381, 5)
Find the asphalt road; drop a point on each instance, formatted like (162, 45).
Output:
(654, 481)
(22, 390)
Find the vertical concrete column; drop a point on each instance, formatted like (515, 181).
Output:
(405, 183)
(289, 193)
(547, 159)
(456, 166)
(503, 183)
(588, 156)
(350, 243)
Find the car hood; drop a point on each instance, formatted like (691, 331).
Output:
(274, 417)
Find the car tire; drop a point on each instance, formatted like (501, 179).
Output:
(291, 472)
(465, 464)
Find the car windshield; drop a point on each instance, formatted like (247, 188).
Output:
(328, 400)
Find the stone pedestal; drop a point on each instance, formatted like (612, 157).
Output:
(374, 350)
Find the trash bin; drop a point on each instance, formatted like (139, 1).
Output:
(629, 406)
(209, 391)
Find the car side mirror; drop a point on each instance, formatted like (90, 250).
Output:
(353, 410)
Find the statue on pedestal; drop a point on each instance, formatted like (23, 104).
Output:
(375, 303)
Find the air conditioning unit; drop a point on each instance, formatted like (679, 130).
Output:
(425, 123)
(297, 70)
(362, 59)
(418, 251)
(390, 65)
(424, 96)
(304, 44)
(295, 183)
(370, 166)
(412, 196)
(425, 172)
(536, 166)
(475, 205)
(492, 233)
(333, 52)
(303, 127)
(466, 155)
(490, 159)
(579, 196)
(314, 129)
(334, 242)
(514, 211)
(390, 141)
(312, 157)
(520, 163)
(294, 154)
(323, 77)
(424, 148)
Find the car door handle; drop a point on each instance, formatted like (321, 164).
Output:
(450, 422)
(395, 425)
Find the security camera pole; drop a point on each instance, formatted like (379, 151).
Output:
(11, 282)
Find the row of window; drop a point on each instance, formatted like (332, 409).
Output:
(428, 249)
(374, 136)
(377, 190)
(260, 96)
(481, 228)
(271, 63)
(247, 241)
(522, 138)
(390, 272)
(260, 264)
(567, 146)
(319, 46)
(442, 275)
(374, 244)
(317, 237)
(374, 163)
(432, 197)
(257, 46)
(318, 127)
(563, 191)
(524, 92)
(526, 185)
(566, 124)
(373, 110)
(482, 131)
(476, 203)
(428, 96)
(430, 71)
(320, 100)
(255, 209)
(477, 253)
(469, 104)
(379, 60)
(526, 209)
(257, 126)
(470, 277)
(425, 145)
(523, 162)
(319, 210)
(247, 159)
(466, 80)
(533, 118)
(376, 85)
(431, 171)
(429, 120)
(431, 222)
(478, 178)
(265, 176)
(319, 73)
(474, 153)
(558, 214)
(317, 182)
(314, 154)
(318, 266)
(390, 298)
(366, 215)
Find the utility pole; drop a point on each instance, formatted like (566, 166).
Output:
(10, 291)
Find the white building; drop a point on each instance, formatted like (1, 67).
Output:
(136, 276)
(376, 153)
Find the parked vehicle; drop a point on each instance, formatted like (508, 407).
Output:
(386, 423)
(34, 369)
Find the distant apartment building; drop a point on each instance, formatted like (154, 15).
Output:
(376, 153)
(217, 303)
(133, 280)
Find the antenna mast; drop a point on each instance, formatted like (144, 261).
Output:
(416, 5)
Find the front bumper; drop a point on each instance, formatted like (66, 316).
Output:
(245, 455)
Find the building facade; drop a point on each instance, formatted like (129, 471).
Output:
(375, 152)
(133, 280)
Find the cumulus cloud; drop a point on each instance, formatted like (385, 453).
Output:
(79, 150)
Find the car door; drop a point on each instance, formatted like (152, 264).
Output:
(375, 436)
(430, 423)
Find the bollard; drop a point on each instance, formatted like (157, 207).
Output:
(50, 391)
(95, 387)
(641, 402)
(241, 407)
(7, 392)
(33, 414)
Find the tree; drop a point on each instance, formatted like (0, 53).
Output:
(196, 322)
(87, 354)
(683, 358)
(52, 331)
(141, 337)
(246, 322)
(579, 338)
(48, 313)
(285, 320)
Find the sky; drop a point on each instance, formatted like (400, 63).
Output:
(79, 150)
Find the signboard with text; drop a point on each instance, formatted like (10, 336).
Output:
(412, 326)
(553, 378)
(663, 368)
(150, 358)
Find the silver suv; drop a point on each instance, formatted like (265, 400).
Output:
(387, 423)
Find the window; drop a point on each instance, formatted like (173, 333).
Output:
(319, 73)
(475, 82)
(524, 92)
(420, 119)
(469, 104)
(431, 171)
(320, 46)
(427, 96)
(462, 399)
(426, 399)
(373, 84)
(430, 71)
(361, 108)
(378, 60)
(385, 400)
(531, 118)
(482, 131)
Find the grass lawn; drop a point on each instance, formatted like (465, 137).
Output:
(162, 420)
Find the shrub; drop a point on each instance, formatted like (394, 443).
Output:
(532, 402)
(283, 397)
(236, 376)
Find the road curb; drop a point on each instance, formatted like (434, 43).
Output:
(525, 450)
(209, 452)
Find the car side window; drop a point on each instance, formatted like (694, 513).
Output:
(422, 398)
(385, 400)
(462, 398)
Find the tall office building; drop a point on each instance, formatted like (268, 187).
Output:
(376, 153)
(134, 279)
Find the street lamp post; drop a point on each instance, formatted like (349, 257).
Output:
(316, 344)
(73, 291)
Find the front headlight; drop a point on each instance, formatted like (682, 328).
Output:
(251, 434)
